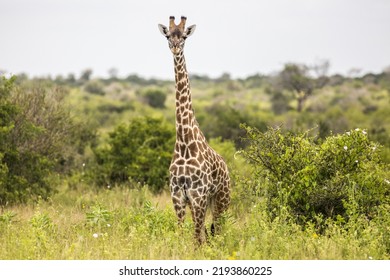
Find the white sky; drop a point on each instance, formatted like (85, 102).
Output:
(241, 37)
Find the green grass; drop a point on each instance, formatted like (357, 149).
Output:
(120, 223)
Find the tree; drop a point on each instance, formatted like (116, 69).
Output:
(295, 77)
(303, 80)
(86, 75)
(71, 79)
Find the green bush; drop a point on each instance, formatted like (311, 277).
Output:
(337, 178)
(22, 170)
(139, 152)
(154, 97)
(224, 121)
(37, 137)
(95, 87)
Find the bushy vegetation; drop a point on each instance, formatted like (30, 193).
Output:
(153, 96)
(84, 166)
(126, 223)
(138, 153)
(218, 115)
(95, 87)
(335, 178)
(38, 136)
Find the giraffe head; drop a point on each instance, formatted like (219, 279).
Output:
(176, 34)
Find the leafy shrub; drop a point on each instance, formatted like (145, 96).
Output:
(154, 97)
(337, 178)
(98, 215)
(22, 170)
(41, 221)
(139, 152)
(279, 101)
(37, 137)
(95, 87)
(7, 217)
(224, 121)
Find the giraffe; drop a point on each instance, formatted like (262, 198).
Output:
(199, 176)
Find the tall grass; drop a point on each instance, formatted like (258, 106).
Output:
(120, 223)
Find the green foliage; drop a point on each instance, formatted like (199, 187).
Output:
(86, 75)
(99, 216)
(22, 171)
(144, 226)
(139, 152)
(148, 220)
(41, 221)
(337, 178)
(224, 121)
(326, 202)
(280, 101)
(153, 96)
(37, 136)
(95, 87)
(7, 217)
(295, 78)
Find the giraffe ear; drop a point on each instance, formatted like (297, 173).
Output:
(164, 30)
(189, 31)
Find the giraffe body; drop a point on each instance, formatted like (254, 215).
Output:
(199, 176)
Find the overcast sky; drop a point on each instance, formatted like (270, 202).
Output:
(240, 37)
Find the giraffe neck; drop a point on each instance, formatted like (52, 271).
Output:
(187, 128)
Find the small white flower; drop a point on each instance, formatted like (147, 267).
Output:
(374, 148)
(95, 235)
(387, 181)
(369, 257)
(357, 129)
(83, 164)
(108, 225)
(348, 133)
(356, 161)
(364, 132)
(108, 186)
(345, 148)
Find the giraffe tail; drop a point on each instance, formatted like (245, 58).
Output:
(212, 229)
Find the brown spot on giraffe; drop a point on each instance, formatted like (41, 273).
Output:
(198, 175)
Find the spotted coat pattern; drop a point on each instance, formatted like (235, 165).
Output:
(199, 176)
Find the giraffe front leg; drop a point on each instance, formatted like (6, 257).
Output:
(198, 211)
(179, 204)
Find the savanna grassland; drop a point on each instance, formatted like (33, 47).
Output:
(84, 166)
(134, 224)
